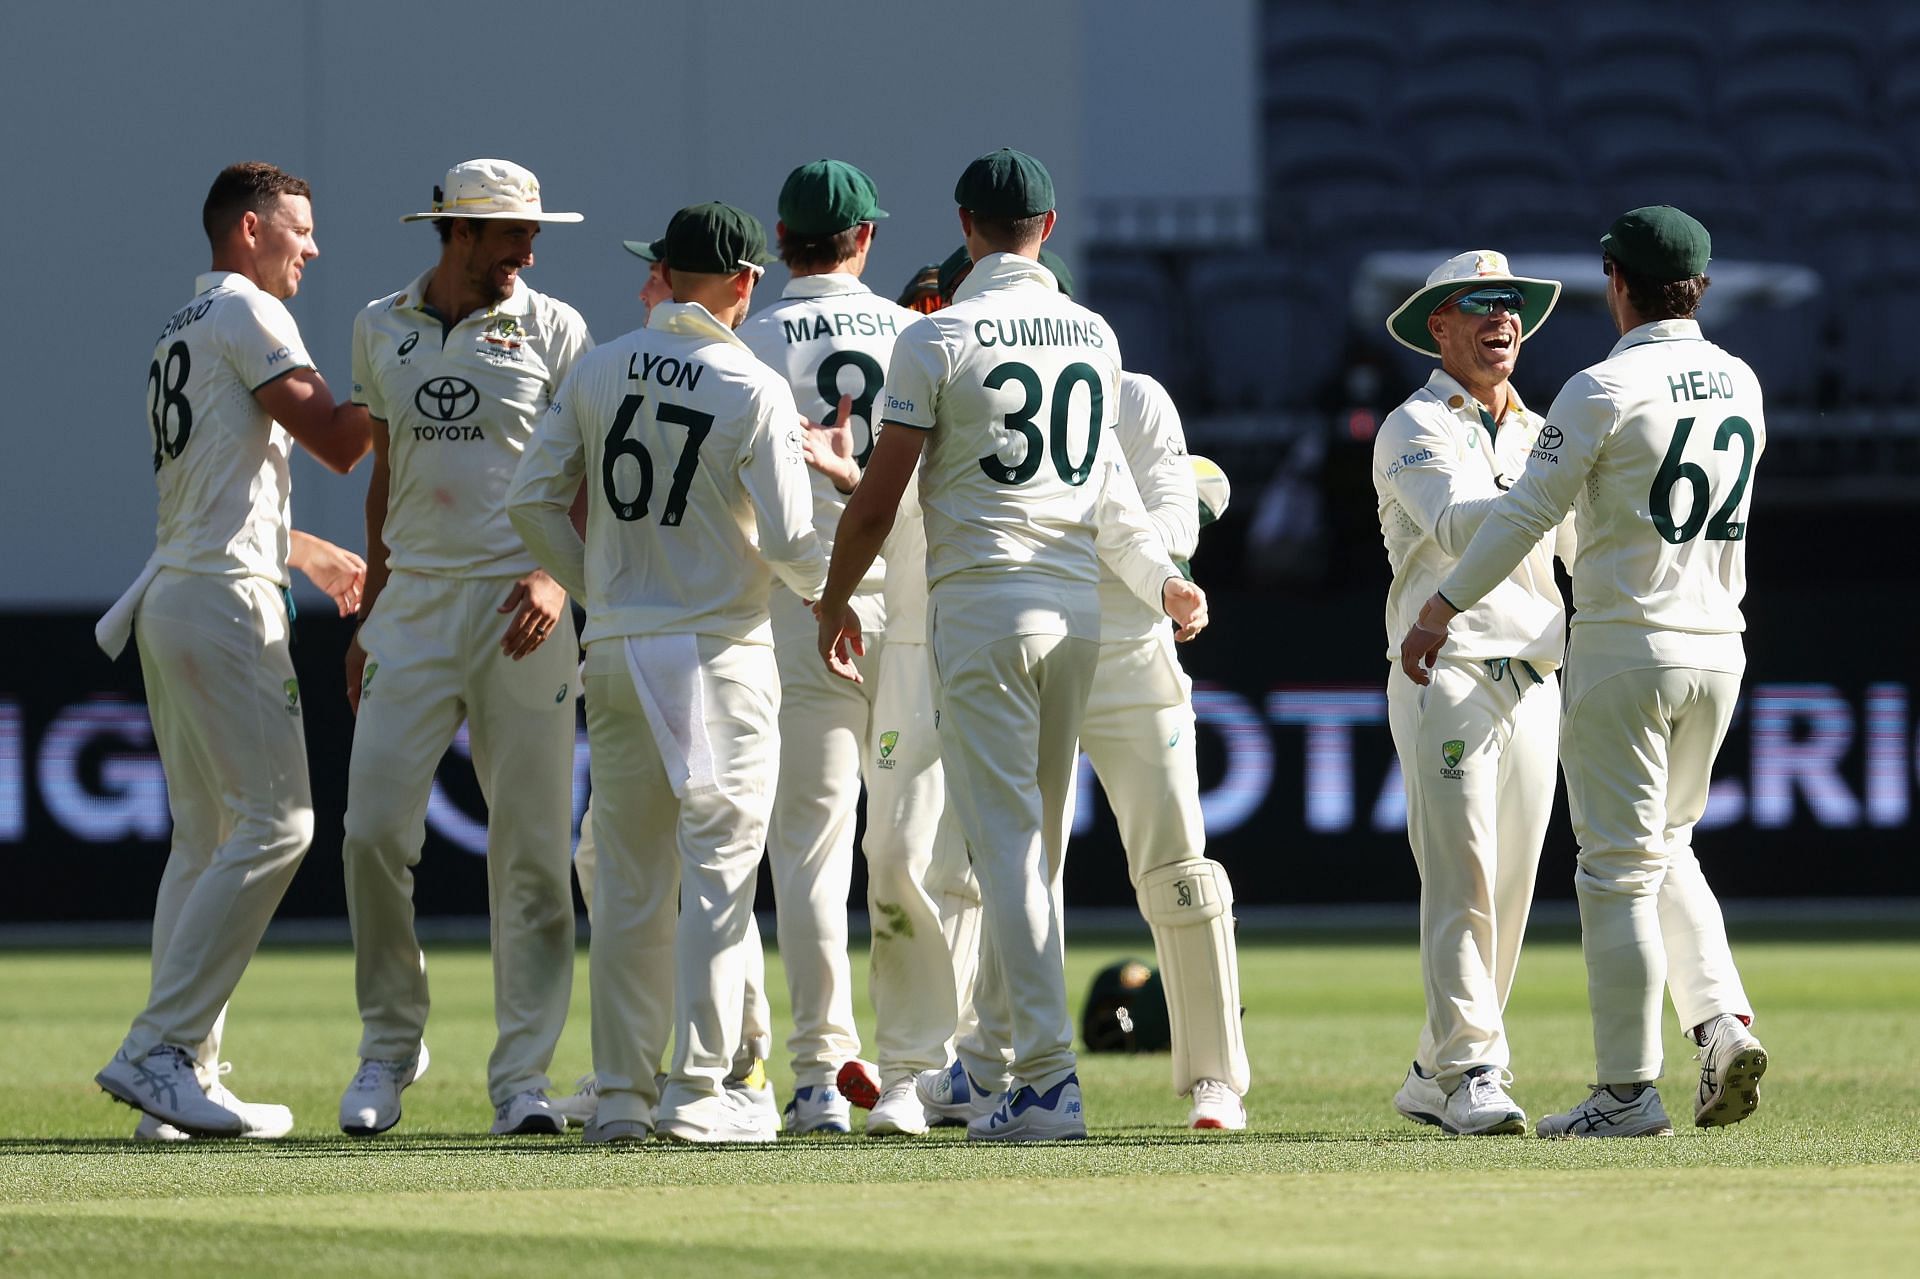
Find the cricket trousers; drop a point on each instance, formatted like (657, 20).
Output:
(1638, 748)
(825, 737)
(227, 720)
(912, 977)
(1011, 710)
(1477, 751)
(433, 660)
(674, 886)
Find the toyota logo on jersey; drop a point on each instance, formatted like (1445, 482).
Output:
(446, 399)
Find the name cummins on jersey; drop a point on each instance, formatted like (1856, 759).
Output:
(460, 405)
(219, 459)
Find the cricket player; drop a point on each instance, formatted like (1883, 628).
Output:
(1653, 448)
(1139, 737)
(1477, 744)
(748, 1078)
(461, 623)
(1012, 515)
(831, 337)
(229, 389)
(698, 494)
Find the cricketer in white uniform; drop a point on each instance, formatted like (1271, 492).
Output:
(698, 494)
(1477, 745)
(831, 336)
(462, 623)
(229, 389)
(1653, 449)
(1012, 510)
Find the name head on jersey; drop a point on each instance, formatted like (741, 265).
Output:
(715, 239)
(1659, 244)
(490, 189)
(825, 197)
(1005, 184)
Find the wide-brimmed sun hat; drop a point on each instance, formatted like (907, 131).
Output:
(1479, 269)
(495, 190)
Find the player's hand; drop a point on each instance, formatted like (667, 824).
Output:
(840, 640)
(356, 672)
(1186, 604)
(536, 602)
(829, 449)
(335, 570)
(1421, 648)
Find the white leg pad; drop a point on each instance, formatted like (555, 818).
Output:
(1189, 906)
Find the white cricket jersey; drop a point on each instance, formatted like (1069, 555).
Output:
(219, 459)
(1438, 471)
(1155, 449)
(831, 336)
(1654, 449)
(1016, 385)
(696, 484)
(460, 405)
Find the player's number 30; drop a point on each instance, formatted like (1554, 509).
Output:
(1021, 422)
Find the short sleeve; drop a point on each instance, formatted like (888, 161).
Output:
(366, 387)
(914, 375)
(262, 340)
(571, 340)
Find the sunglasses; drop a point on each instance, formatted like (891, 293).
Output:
(1483, 301)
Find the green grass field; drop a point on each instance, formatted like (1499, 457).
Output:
(1825, 1179)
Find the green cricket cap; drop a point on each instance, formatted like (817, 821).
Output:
(1659, 243)
(1005, 184)
(714, 239)
(826, 197)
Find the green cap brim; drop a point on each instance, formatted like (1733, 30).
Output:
(1409, 324)
(648, 249)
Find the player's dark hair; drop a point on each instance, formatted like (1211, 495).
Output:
(1005, 235)
(818, 252)
(243, 188)
(1666, 300)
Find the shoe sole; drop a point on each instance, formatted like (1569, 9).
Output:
(1514, 1123)
(535, 1126)
(1739, 1094)
(1419, 1116)
(888, 1128)
(1027, 1135)
(192, 1130)
(857, 1084)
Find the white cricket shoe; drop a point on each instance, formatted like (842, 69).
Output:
(750, 1091)
(1603, 1114)
(527, 1113)
(1024, 1114)
(1216, 1107)
(1731, 1063)
(264, 1120)
(859, 1082)
(577, 1106)
(818, 1108)
(722, 1120)
(1421, 1098)
(371, 1103)
(616, 1131)
(1480, 1107)
(897, 1111)
(163, 1085)
(951, 1097)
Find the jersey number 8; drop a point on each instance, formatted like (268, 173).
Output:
(619, 446)
(1021, 421)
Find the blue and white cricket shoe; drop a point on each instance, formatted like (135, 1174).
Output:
(818, 1108)
(951, 1097)
(1026, 1115)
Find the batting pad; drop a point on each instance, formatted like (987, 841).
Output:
(1189, 907)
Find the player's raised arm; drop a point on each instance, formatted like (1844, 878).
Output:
(337, 434)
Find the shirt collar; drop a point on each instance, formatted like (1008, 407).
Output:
(1658, 331)
(224, 280)
(1004, 270)
(1443, 386)
(826, 285)
(691, 320)
(517, 303)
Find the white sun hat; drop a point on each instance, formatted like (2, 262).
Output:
(490, 189)
(1480, 268)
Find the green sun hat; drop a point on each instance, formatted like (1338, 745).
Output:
(1481, 268)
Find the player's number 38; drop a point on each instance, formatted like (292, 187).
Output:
(167, 408)
(1056, 442)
